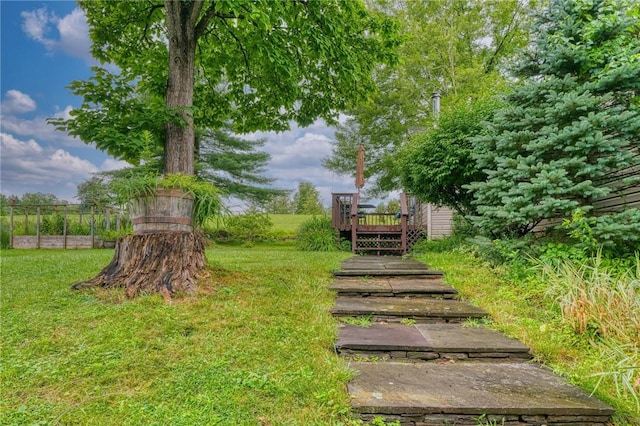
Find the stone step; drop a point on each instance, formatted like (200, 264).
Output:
(470, 394)
(430, 286)
(384, 266)
(395, 309)
(428, 342)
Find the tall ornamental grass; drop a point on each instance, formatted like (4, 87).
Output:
(603, 303)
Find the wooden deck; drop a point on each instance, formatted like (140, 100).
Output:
(377, 233)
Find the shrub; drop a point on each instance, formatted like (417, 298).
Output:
(5, 237)
(317, 234)
(249, 227)
(52, 224)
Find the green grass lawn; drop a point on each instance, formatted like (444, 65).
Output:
(255, 347)
(288, 222)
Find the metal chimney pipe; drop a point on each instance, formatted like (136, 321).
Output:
(435, 101)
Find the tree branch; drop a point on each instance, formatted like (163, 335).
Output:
(202, 25)
(244, 53)
(490, 65)
(151, 9)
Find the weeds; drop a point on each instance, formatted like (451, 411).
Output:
(408, 321)
(363, 321)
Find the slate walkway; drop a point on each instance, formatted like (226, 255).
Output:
(422, 368)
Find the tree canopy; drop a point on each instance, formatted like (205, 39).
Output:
(571, 126)
(454, 47)
(306, 200)
(255, 66)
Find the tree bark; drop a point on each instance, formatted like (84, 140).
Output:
(169, 263)
(179, 142)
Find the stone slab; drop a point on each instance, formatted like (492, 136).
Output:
(383, 337)
(387, 272)
(467, 388)
(433, 285)
(395, 285)
(396, 306)
(439, 338)
(456, 338)
(361, 285)
(376, 264)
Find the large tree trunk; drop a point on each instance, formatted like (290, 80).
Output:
(169, 263)
(166, 262)
(180, 137)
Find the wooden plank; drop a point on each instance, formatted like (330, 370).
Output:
(52, 241)
(25, 241)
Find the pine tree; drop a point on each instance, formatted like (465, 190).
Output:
(570, 126)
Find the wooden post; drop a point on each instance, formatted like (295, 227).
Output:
(93, 227)
(64, 228)
(429, 220)
(354, 222)
(38, 227)
(11, 203)
(26, 221)
(403, 221)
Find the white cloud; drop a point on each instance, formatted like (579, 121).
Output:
(37, 127)
(17, 102)
(296, 156)
(111, 164)
(72, 37)
(29, 167)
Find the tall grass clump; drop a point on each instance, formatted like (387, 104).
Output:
(316, 234)
(602, 301)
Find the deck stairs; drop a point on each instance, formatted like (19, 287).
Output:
(373, 240)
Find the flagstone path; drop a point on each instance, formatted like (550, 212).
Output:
(418, 365)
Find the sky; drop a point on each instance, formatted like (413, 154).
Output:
(44, 45)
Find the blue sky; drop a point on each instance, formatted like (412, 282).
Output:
(45, 46)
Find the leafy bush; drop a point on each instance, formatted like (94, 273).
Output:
(249, 227)
(52, 224)
(437, 164)
(317, 234)
(5, 237)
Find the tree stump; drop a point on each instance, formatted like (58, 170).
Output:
(169, 263)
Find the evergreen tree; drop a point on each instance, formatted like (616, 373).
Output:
(571, 125)
(235, 165)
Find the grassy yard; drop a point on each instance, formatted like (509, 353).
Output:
(254, 348)
(288, 222)
(520, 308)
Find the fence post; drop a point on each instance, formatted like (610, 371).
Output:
(11, 203)
(64, 229)
(93, 227)
(38, 227)
(26, 221)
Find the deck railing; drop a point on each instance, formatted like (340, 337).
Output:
(348, 216)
